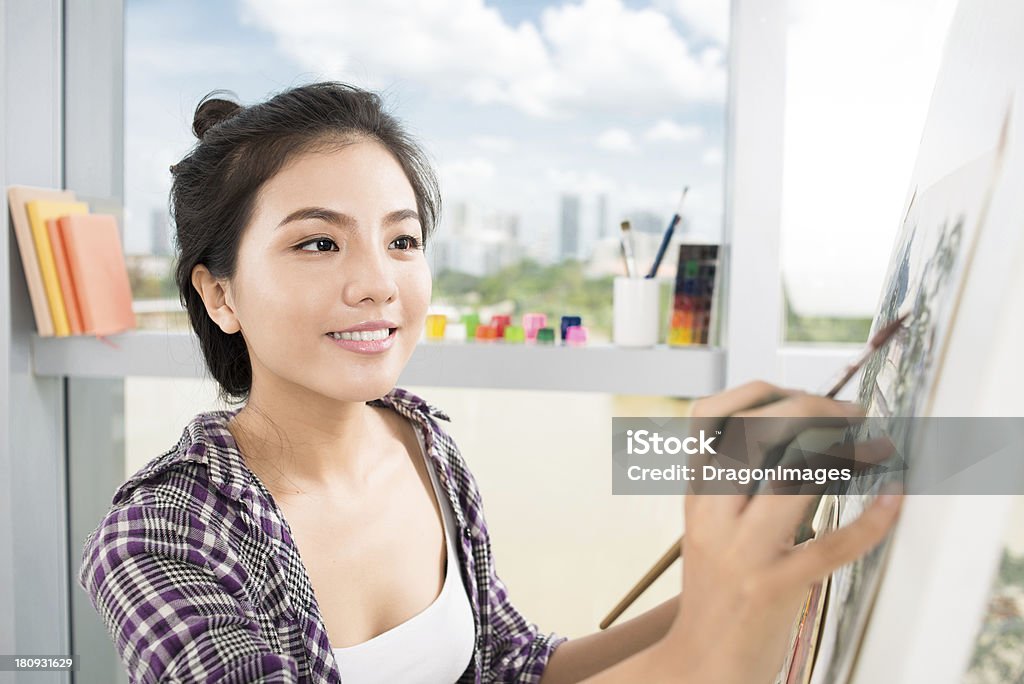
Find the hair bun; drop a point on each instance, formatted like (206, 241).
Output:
(212, 111)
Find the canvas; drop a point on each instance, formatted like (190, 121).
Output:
(931, 258)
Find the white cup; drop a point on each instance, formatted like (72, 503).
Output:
(455, 332)
(636, 311)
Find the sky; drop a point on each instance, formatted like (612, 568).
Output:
(520, 102)
(517, 103)
(859, 78)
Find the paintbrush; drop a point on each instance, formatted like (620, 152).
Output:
(877, 341)
(668, 235)
(626, 241)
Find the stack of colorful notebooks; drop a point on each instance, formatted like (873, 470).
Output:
(74, 267)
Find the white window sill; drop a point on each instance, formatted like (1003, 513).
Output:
(658, 371)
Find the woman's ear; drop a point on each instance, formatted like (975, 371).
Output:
(216, 296)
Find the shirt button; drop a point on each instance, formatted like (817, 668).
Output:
(465, 532)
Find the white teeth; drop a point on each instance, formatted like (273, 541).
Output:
(364, 335)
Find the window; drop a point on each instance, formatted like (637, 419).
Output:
(867, 68)
(550, 122)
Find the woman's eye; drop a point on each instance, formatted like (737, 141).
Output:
(319, 242)
(408, 240)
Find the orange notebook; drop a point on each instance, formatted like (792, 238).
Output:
(98, 270)
(67, 285)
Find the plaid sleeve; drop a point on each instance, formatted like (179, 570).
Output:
(174, 612)
(514, 649)
(519, 651)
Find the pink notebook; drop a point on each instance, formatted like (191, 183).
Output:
(98, 271)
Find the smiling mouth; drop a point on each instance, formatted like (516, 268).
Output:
(364, 335)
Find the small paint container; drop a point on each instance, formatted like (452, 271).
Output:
(569, 321)
(576, 336)
(486, 333)
(455, 332)
(546, 336)
(435, 326)
(500, 322)
(471, 321)
(515, 334)
(532, 322)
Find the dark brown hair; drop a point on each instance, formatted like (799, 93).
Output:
(241, 148)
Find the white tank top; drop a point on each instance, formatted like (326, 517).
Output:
(431, 647)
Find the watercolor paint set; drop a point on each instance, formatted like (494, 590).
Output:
(692, 321)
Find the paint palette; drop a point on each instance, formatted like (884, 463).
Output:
(691, 321)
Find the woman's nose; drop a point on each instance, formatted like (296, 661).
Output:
(368, 275)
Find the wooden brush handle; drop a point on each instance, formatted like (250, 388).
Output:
(656, 571)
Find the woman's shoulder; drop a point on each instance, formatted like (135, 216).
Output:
(206, 456)
(426, 418)
(186, 496)
(198, 479)
(406, 402)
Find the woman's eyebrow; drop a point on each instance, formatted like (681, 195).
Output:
(344, 220)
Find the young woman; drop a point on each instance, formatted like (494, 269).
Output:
(329, 530)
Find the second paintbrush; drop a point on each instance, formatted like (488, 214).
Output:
(668, 235)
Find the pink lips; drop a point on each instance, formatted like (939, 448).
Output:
(366, 346)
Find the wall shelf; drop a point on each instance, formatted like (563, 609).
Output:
(660, 371)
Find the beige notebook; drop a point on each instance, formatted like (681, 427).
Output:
(17, 197)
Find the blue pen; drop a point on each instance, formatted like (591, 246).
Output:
(668, 236)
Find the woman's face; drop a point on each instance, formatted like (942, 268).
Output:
(335, 242)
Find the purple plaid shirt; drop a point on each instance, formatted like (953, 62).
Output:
(195, 573)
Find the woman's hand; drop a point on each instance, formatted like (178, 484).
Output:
(744, 581)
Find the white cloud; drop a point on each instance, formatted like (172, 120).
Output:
(590, 184)
(596, 54)
(492, 143)
(706, 18)
(460, 45)
(667, 130)
(616, 140)
(607, 55)
(460, 176)
(712, 156)
(587, 183)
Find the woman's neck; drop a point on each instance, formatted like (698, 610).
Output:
(307, 447)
